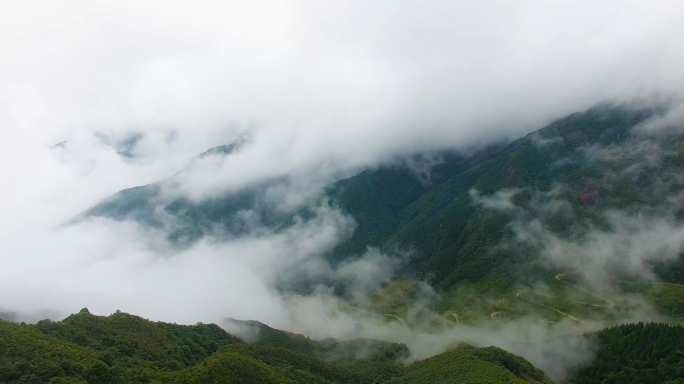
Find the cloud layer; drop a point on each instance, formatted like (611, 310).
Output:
(337, 86)
(132, 91)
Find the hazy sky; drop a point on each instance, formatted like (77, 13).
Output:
(321, 87)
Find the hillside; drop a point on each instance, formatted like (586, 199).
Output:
(122, 348)
(373, 197)
(472, 365)
(462, 217)
(592, 175)
(455, 239)
(593, 162)
(635, 353)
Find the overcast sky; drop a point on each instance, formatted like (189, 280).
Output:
(318, 86)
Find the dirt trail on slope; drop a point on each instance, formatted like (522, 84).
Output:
(444, 319)
(611, 304)
(571, 317)
(396, 317)
(456, 317)
(493, 315)
(559, 277)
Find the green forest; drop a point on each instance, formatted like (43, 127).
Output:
(635, 353)
(122, 348)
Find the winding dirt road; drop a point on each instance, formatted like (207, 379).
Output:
(456, 317)
(569, 316)
(559, 277)
(396, 317)
(493, 315)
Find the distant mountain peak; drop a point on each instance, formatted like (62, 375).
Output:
(227, 149)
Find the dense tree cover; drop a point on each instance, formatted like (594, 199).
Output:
(592, 162)
(456, 240)
(376, 198)
(270, 337)
(122, 348)
(372, 359)
(29, 356)
(635, 353)
(226, 367)
(472, 365)
(120, 335)
(295, 366)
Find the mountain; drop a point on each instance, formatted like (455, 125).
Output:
(122, 348)
(592, 162)
(146, 204)
(387, 189)
(461, 216)
(594, 182)
(376, 198)
(453, 238)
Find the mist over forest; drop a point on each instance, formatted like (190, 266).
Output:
(305, 192)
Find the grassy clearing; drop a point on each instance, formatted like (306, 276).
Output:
(554, 298)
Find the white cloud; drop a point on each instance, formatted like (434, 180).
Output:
(501, 200)
(631, 243)
(324, 88)
(338, 85)
(108, 265)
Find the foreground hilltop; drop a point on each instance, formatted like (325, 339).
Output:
(123, 348)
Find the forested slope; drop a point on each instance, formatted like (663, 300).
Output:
(122, 348)
(594, 161)
(635, 353)
(591, 162)
(373, 197)
(456, 239)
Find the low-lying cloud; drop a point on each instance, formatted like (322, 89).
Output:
(108, 265)
(132, 91)
(626, 249)
(500, 200)
(320, 87)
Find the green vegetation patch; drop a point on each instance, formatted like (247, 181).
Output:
(472, 365)
(635, 353)
(122, 349)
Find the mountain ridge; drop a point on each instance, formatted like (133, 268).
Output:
(451, 237)
(123, 348)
